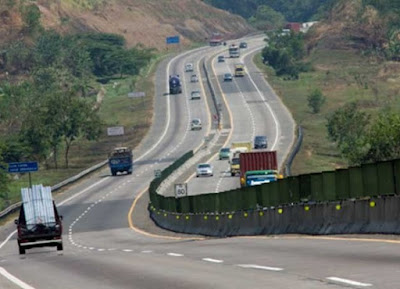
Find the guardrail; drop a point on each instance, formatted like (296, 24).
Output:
(14, 207)
(293, 153)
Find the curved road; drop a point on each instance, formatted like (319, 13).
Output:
(102, 251)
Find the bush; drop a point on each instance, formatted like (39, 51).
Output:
(315, 100)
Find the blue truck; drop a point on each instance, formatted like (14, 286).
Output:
(175, 86)
(120, 160)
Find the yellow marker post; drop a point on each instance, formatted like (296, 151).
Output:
(306, 208)
(261, 214)
(372, 204)
(205, 218)
(217, 218)
(177, 217)
(187, 217)
(245, 215)
(338, 207)
(280, 211)
(230, 217)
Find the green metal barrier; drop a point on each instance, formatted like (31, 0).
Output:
(342, 184)
(368, 180)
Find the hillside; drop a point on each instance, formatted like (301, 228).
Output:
(140, 21)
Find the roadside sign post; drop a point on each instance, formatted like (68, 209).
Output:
(181, 190)
(24, 167)
(172, 40)
(138, 94)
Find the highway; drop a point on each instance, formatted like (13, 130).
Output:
(106, 247)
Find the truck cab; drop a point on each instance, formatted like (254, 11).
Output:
(120, 160)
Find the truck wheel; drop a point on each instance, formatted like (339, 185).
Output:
(21, 250)
(129, 172)
(114, 173)
(232, 174)
(60, 247)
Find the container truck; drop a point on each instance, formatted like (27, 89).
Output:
(236, 149)
(120, 160)
(258, 167)
(39, 224)
(234, 51)
(175, 86)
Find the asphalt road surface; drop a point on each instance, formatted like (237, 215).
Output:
(105, 249)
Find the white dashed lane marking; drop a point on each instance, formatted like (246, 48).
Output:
(251, 266)
(213, 260)
(348, 282)
(175, 254)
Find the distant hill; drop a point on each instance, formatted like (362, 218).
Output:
(139, 21)
(370, 26)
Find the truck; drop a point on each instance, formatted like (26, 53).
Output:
(120, 160)
(236, 149)
(234, 51)
(175, 86)
(239, 70)
(39, 223)
(258, 167)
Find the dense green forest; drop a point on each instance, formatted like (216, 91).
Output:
(292, 10)
(48, 87)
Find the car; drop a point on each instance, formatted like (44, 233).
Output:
(221, 58)
(204, 170)
(195, 124)
(243, 45)
(224, 153)
(228, 77)
(260, 142)
(194, 78)
(189, 67)
(195, 94)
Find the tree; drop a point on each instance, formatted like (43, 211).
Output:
(348, 127)
(267, 18)
(78, 119)
(384, 137)
(315, 100)
(4, 181)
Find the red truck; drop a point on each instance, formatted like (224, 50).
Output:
(258, 167)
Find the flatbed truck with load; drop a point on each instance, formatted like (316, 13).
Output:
(39, 224)
(120, 160)
(258, 167)
(236, 149)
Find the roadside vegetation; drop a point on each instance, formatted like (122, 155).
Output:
(58, 95)
(347, 98)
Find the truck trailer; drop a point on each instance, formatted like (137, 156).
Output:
(258, 167)
(39, 224)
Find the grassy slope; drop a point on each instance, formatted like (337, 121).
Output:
(116, 109)
(335, 74)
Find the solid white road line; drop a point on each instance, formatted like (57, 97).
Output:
(251, 266)
(349, 282)
(175, 254)
(14, 279)
(212, 260)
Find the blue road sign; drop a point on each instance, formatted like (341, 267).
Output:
(172, 39)
(25, 167)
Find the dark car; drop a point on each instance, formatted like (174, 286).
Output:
(260, 142)
(228, 77)
(243, 45)
(221, 58)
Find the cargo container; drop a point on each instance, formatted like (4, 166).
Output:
(39, 224)
(257, 161)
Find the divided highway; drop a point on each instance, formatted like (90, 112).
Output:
(103, 251)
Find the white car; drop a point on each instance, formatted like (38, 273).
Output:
(194, 78)
(195, 124)
(189, 67)
(195, 94)
(204, 170)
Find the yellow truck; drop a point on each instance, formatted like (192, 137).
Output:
(236, 149)
(239, 70)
